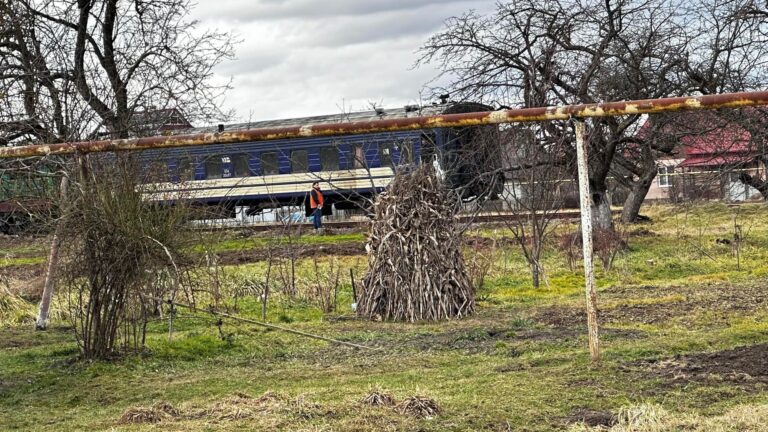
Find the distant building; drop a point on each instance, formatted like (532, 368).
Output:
(158, 122)
(710, 154)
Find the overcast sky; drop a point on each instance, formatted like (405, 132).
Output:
(308, 57)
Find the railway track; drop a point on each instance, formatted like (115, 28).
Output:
(481, 218)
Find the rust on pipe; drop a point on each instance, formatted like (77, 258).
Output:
(607, 109)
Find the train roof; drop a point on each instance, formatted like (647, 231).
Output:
(379, 114)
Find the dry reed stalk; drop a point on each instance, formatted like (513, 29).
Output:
(415, 267)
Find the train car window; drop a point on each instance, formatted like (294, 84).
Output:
(406, 152)
(299, 161)
(185, 169)
(269, 164)
(213, 167)
(240, 165)
(359, 156)
(385, 154)
(156, 171)
(329, 159)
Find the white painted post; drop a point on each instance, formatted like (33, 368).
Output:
(53, 259)
(585, 201)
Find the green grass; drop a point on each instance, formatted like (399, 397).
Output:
(509, 367)
(236, 244)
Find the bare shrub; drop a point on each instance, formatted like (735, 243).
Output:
(479, 267)
(325, 286)
(116, 243)
(607, 245)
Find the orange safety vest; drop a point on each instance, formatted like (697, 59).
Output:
(315, 198)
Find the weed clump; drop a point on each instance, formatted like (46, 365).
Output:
(155, 414)
(378, 398)
(419, 407)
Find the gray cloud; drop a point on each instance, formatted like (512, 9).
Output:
(268, 10)
(301, 57)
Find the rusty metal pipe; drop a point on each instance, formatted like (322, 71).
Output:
(647, 106)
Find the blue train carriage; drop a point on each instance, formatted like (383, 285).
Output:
(25, 196)
(351, 169)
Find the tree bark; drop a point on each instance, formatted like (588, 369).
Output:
(757, 183)
(637, 194)
(53, 260)
(535, 275)
(601, 210)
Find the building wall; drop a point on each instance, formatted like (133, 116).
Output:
(662, 183)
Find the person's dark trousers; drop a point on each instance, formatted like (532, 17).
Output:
(318, 218)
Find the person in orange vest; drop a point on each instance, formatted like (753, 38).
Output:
(316, 204)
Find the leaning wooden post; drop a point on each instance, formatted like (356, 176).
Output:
(53, 259)
(585, 199)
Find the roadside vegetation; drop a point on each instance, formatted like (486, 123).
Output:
(684, 329)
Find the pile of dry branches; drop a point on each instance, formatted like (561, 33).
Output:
(415, 267)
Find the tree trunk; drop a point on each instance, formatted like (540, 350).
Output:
(634, 201)
(53, 259)
(601, 210)
(535, 275)
(756, 182)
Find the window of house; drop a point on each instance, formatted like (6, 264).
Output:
(269, 164)
(329, 159)
(299, 161)
(664, 175)
(213, 167)
(358, 154)
(240, 165)
(185, 168)
(385, 154)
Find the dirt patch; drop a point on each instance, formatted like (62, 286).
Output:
(590, 418)
(562, 316)
(9, 242)
(744, 366)
(300, 251)
(502, 341)
(642, 232)
(26, 337)
(653, 305)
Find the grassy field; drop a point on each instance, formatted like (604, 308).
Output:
(684, 331)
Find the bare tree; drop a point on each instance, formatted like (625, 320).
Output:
(535, 192)
(539, 53)
(122, 57)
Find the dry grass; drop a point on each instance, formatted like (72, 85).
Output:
(419, 407)
(654, 418)
(378, 398)
(158, 412)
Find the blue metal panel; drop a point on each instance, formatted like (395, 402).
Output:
(173, 167)
(371, 154)
(313, 155)
(199, 168)
(254, 164)
(345, 156)
(439, 138)
(284, 161)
